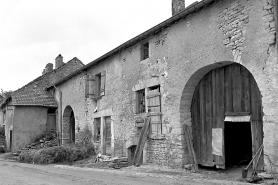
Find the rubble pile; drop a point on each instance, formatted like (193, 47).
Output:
(115, 162)
(48, 139)
(119, 163)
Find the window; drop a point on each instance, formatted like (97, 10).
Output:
(145, 50)
(97, 135)
(154, 109)
(95, 85)
(140, 101)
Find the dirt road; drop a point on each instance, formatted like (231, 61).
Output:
(14, 173)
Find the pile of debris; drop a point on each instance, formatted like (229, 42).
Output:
(48, 139)
(119, 163)
(115, 162)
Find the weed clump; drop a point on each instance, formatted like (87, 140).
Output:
(57, 154)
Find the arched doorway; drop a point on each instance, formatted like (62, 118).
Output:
(68, 125)
(226, 116)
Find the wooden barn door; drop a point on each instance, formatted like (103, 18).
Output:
(224, 91)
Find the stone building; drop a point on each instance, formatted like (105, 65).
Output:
(31, 110)
(206, 76)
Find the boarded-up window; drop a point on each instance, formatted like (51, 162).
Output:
(140, 101)
(154, 109)
(97, 125)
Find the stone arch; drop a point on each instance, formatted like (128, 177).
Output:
(68, 126)
(187, 97)
(189, 88)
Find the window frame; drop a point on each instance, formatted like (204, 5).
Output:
(140, 101)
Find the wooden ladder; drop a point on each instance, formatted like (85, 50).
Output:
(141, 143)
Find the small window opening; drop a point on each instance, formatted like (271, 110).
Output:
(145, 51)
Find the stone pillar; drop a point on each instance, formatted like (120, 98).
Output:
(177, 6)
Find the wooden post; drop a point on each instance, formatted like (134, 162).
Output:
(141, 143)
(191, 149)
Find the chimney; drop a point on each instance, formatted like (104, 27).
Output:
(58, 61)
(48, 68)
(177, 6)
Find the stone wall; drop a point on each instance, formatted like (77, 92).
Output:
(225, 32)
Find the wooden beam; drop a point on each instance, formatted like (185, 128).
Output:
(191, 149)
(141, 143)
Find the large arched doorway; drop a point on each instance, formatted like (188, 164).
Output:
(68, 125)
(226, 116)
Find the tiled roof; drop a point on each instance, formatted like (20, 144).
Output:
(33, 97)
(35, 94)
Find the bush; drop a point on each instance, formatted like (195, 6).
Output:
(57, 154)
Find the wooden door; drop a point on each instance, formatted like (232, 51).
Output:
(223, 91)
(108, 150)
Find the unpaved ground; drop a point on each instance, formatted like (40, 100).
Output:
(14, 173)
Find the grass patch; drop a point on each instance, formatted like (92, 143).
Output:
(57, 154)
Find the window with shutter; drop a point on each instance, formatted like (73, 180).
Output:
(91, 87)
(86, 86)
(154, 109)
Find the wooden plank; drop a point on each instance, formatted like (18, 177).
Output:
(195, 123)
(214, 106)
(191, 148)
(141, 142)
(209, 157)
(221, 111)
(202, 122)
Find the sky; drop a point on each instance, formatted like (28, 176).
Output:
(34, 32)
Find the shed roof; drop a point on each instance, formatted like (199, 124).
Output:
(194, 7)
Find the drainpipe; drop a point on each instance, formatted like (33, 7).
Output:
(60, 113)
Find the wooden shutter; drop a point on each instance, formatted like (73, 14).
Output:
(91, 86)
(86, 86)
(102, 83)
(154, 110)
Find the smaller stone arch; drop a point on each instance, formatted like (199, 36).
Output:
(68, 135)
